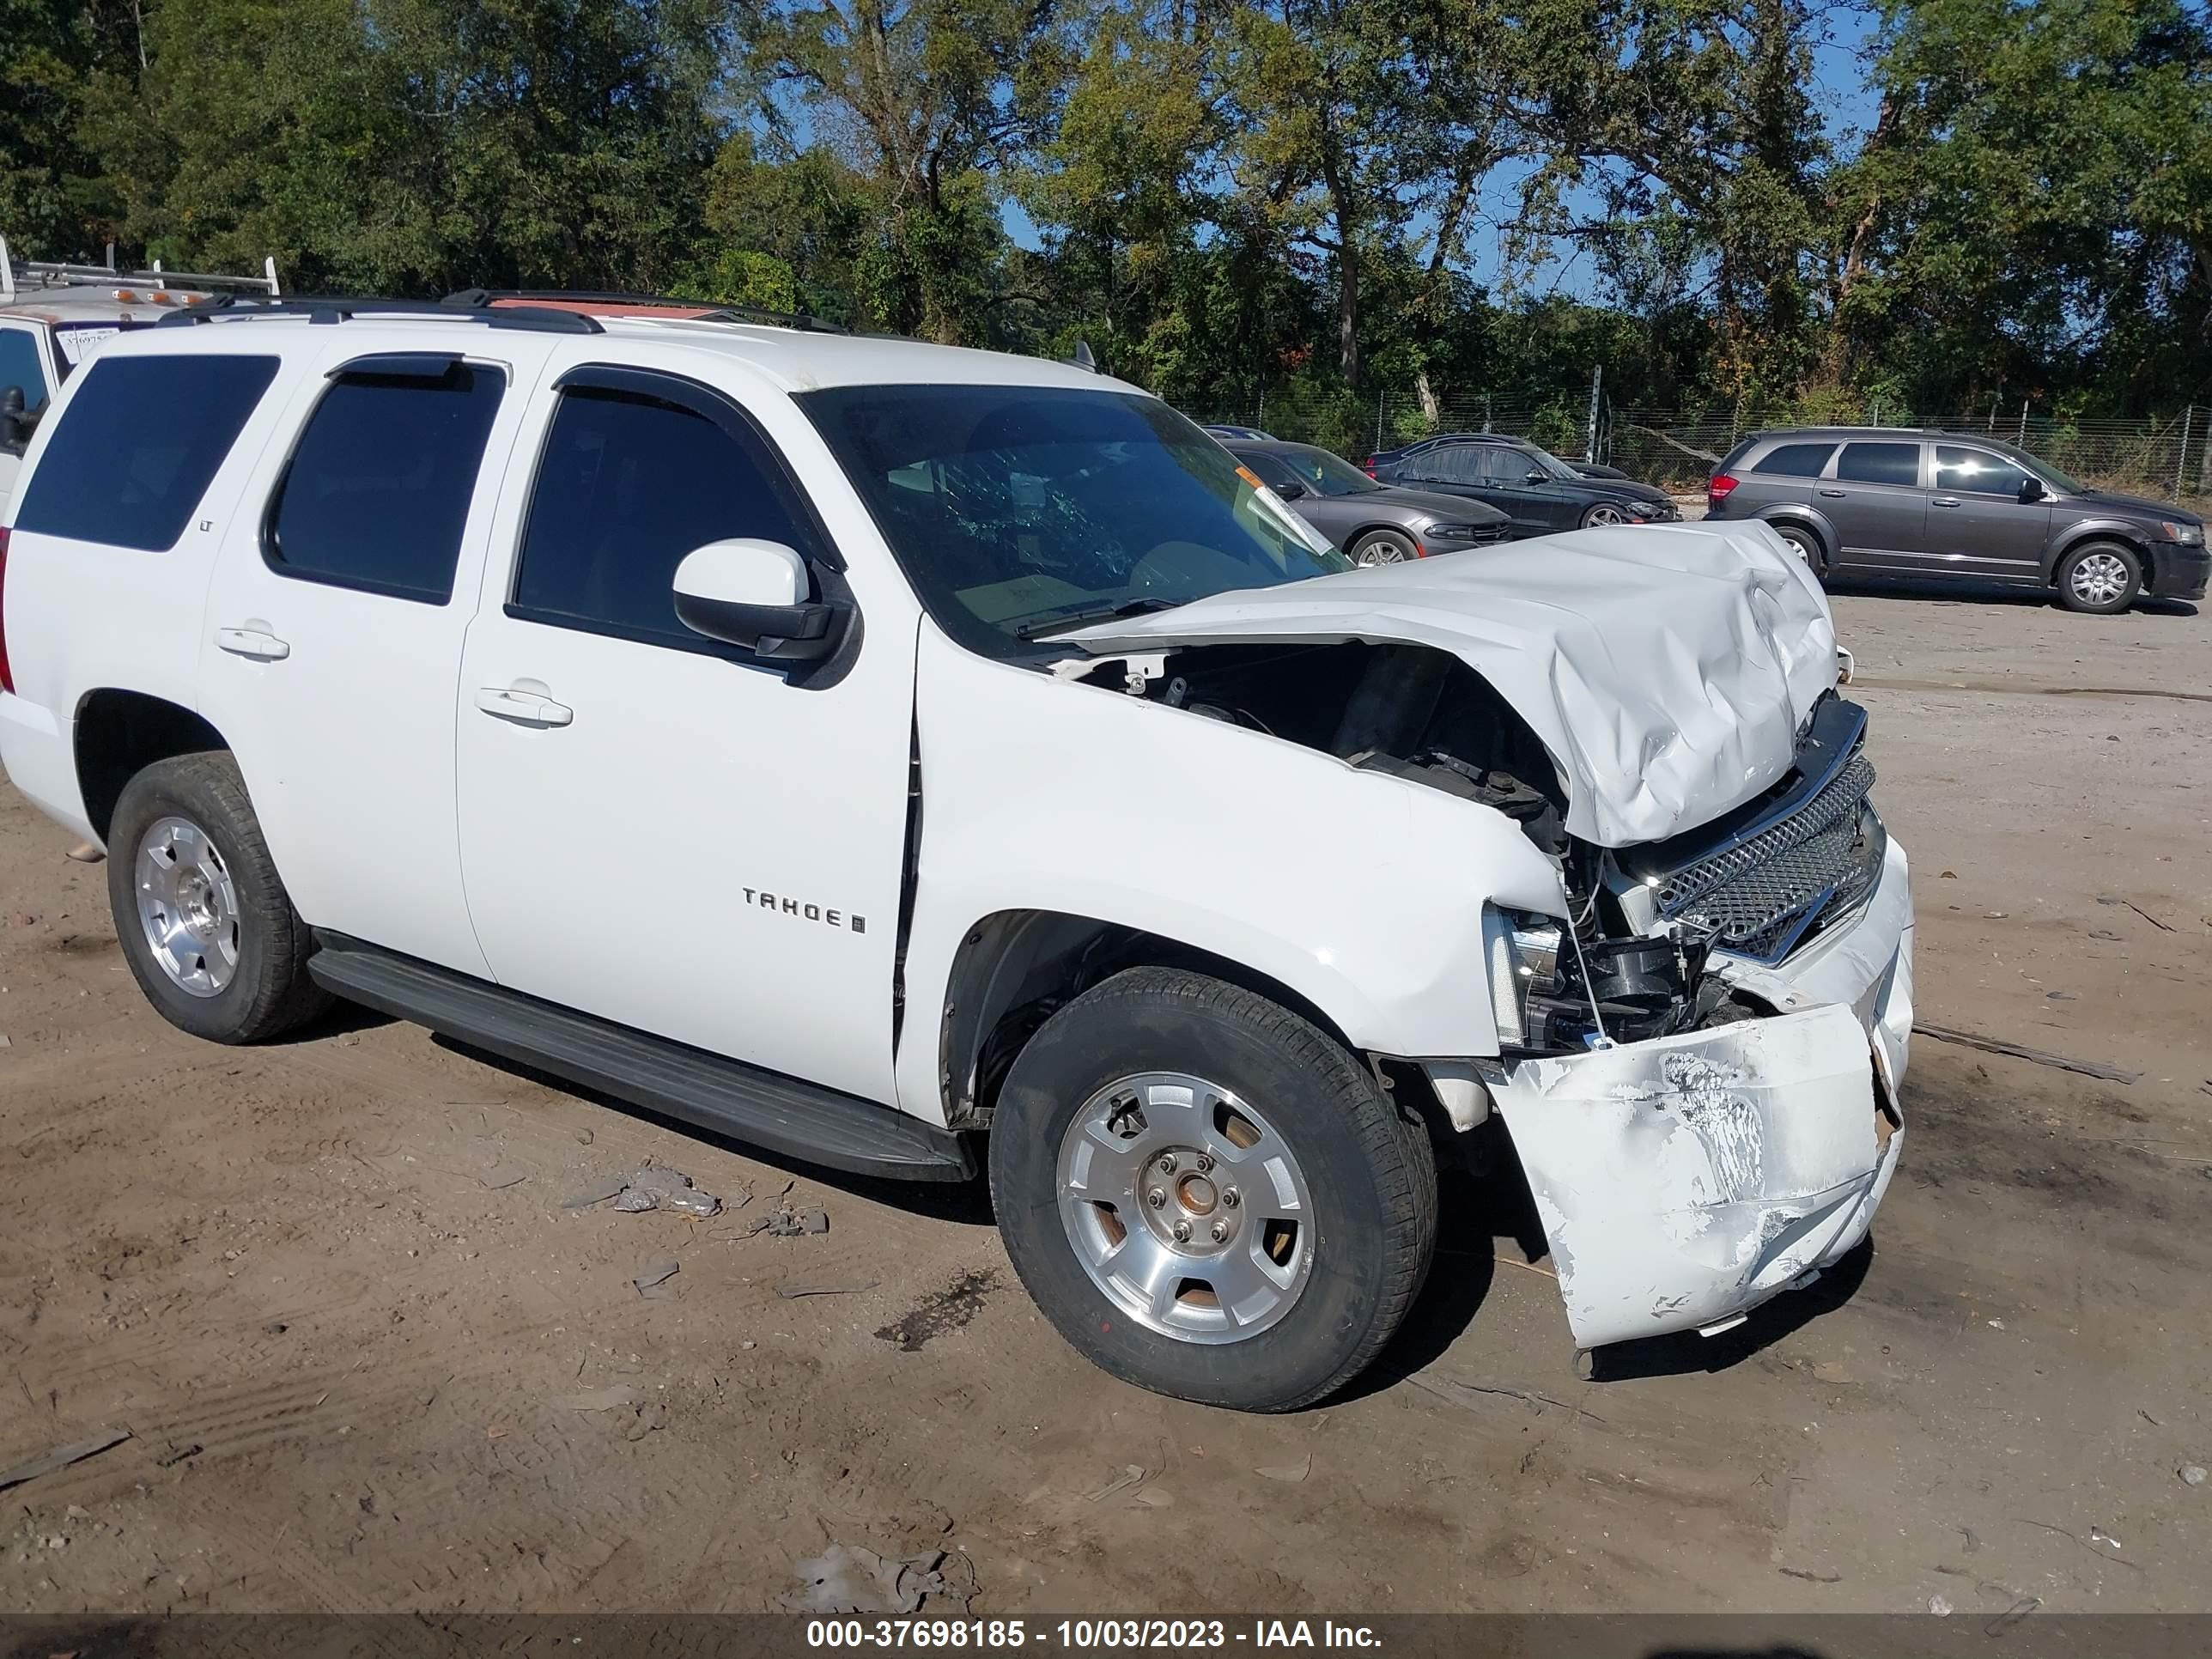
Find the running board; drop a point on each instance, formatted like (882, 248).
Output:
(765, 1109)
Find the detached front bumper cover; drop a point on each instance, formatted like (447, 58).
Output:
(1683, 1182)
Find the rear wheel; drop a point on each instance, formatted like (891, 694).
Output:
(205, 924)
(1806, 547)
(1208, 1195)
(1382, 547)
(2102, 578)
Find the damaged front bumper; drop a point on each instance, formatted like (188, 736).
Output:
(1684, 1180)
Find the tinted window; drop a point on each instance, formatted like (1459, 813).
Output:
(1502, 466)
(1798, 460)
(20, 366)
(1886, 463)
(378, 488)
(137, 446)
(1271, 470)
(1978, 471)
(628, 486)
(1016, 511)
(1460, 464)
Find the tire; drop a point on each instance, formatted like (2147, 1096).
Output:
(1214, 1064)
(2101, 578)
(1383, 547)
(186, 860)
(1603, 516)
(1806, 546)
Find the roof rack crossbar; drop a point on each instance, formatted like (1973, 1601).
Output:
(14, 274)
(706, 310)
(335, 309)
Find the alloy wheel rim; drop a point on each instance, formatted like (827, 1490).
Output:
(187, 906)
(1185, 1207)
(1602, 516)
(2100, 577)
(1383, 551)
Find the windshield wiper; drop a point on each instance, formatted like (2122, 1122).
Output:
(1044, 625)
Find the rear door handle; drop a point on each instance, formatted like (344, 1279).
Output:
(523, 708)
(254, 642)
(1944, 501)
(1837, 494)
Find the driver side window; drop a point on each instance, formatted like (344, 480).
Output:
(627, 486)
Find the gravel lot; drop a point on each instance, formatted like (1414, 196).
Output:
(330, 1289)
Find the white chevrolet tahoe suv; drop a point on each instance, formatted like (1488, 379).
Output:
(895, 756)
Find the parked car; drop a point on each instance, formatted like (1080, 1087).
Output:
(51, 316)
(1879, 501)
(1536, 490)
(1242, 434)
(892, 755)
(1374, 523)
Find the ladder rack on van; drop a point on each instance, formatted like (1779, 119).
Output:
(16, 277)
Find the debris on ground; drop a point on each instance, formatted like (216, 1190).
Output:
(654, 1187)
(2192, 1475)
(61, 1457)
(2012, 1615)
(2163, 927)
(1940, 1606)
(792, 1292)
(843, 1580)
(1132, 1475)
(2016, 1051)
(659, 1273)
(785, 1223)
(651, 1416)
(1811, 1576)
(175, 1455)
(613, 1399)
(1293, 1473)
(944, 1310)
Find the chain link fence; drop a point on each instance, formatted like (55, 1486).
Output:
(2166, 457)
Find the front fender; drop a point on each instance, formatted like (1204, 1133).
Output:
(1361, 892)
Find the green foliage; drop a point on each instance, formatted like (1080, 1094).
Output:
(1230, 201)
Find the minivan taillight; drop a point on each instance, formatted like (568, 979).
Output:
(7, 679)
(1717, 490)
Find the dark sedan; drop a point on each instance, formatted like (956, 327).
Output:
(1536, 490)
(1375, 524)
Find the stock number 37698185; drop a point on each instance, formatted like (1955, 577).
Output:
(1015, 1633)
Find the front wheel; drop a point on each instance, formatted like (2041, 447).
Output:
(1602, 517)
(2102, 578)
(1382, 547)
(1208, 1195)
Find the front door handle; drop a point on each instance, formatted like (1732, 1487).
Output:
(1837, 494)
(1944, 501)
(257, 643)
(523, 708)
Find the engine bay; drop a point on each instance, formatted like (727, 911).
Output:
(1422, 715)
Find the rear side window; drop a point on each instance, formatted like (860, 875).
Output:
(377, 492)
(20, 368)
(138, 446)
(1882, 464)
(628, 486)
(1796, 460)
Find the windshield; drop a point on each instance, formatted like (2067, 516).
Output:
(2044, 470)
(1552, 463)
(1324, 473)
(1020, 512)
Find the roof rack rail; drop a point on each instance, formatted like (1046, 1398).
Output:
(16, 275)
(321, 308)
(701, 310)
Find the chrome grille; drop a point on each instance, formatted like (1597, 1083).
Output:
(1764, 895)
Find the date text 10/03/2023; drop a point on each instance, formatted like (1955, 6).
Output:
(1087, 1633)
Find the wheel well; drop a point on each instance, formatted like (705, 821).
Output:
(1016, 969)
(1398, 530)
(119, 734)
(2099, 533)
(1805, 523)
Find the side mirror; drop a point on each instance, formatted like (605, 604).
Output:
(1291, 489)
(755, 595)
(14, 430)
(1535, 475)
(2030, 490)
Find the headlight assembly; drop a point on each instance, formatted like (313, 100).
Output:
(1522, 952)
(2189, 534)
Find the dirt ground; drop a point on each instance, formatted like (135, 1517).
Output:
(330, 1288)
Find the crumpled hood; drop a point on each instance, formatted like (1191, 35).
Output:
(1666, 669)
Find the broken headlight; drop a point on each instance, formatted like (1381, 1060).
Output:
(1522, 952)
